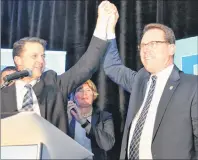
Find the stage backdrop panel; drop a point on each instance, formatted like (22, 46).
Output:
(186, 56)
(55, 60)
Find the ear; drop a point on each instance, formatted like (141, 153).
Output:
(18, 61)
(94, 96)
(172, 49)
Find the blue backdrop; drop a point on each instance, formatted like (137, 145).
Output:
(186, 56)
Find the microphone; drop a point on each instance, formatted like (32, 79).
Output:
(17, 75)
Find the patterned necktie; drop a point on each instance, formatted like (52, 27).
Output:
(28, 99)
(135, 142)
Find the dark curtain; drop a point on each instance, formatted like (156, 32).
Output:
(68, 25)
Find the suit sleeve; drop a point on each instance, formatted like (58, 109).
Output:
(194, 116)
(61, 121)
(115, 70)
(84, 68)
(103, 133)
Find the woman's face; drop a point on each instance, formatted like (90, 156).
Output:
(84, 96)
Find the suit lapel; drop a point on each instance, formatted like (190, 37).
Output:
(169, 89)
(38, 90)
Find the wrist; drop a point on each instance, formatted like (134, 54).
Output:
(111, 30)
(111, 35)
(102, 23)
(102, 19)
(82, 120)
(85, 124)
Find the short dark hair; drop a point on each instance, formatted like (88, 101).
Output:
(9, 68)
(168, 32)
(19, 45)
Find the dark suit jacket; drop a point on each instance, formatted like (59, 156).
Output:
(52, 90)
(101, 134)
(175, 134)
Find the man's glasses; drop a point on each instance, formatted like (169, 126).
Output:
(151, 45)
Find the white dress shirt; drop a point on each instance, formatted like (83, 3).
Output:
(147, 132)
(20, 93)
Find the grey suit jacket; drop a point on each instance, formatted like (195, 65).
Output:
(52, 90)
(175, 134)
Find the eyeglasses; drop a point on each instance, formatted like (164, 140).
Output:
(151, 45)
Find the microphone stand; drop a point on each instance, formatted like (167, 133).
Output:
(5, 84)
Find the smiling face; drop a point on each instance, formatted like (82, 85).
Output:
(156, 53)
(84, 96)
(32, 57)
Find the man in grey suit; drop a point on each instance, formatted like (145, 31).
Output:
(162, 117)
(46, 92)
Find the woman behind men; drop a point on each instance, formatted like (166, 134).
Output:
(90, 127)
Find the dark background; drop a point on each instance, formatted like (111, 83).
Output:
(68, 25)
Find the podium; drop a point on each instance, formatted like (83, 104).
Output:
(36, 138)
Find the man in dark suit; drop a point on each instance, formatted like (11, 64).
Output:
(162, 117)
(46, 93)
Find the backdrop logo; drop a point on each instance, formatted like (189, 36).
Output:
(186, 56)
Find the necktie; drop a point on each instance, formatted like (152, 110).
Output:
(28, 99)
(135, 142)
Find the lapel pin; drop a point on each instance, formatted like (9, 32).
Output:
(171, 87)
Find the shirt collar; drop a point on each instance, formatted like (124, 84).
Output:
(165, 72)
(22, 83)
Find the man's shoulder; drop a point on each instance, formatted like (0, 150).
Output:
(49, 77)
(188, 82)
(49, 74)
(188, 77)
(142, 73)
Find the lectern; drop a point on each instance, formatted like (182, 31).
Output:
(36, 138)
